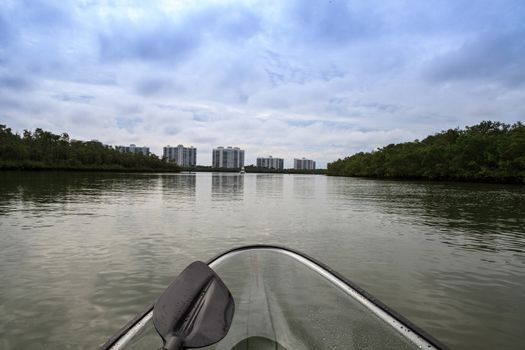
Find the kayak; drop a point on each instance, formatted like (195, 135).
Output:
(267, 297)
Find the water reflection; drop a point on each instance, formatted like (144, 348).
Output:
(41, 188)
(98, 247)
(487, 217)
(174, 185)
(269, 185)
(227, 186)
(470, 216)
(304, 186)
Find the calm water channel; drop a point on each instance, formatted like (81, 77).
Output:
(81, 253)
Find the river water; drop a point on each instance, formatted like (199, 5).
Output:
(82, 253)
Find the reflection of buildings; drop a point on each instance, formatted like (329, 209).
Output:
(133, 149)
(269, 185)
(183, 156)
(229, 157)
(303, 164)
(179, 185)
(270, 163)
(227, 185)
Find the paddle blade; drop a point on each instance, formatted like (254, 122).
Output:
(196, 310)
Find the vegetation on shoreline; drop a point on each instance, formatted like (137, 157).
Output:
(43, 150)
(253, 169)
(487, 152)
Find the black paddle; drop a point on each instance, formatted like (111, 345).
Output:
(196, 310)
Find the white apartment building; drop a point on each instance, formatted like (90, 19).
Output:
(229, 157)
(270, 163)
(183, 156)
(303, 164)
(133, 149)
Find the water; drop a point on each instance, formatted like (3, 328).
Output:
(81, 253)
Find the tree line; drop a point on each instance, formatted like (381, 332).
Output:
(43, 150)
(254, 169)
(486, 152)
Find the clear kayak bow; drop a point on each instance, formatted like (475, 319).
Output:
(287, 300)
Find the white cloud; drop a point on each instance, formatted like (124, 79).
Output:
(287, 78)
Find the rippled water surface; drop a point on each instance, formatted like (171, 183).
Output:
(81, 253)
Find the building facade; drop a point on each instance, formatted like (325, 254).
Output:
(229, 157)
(270, 163)
(303, 164)
(183, 156)
(133, 149)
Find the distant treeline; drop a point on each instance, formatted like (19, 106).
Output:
(207, 168)
(43, 150)
(488, 152)
(253, 169)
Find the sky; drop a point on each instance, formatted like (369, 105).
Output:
(288, 78)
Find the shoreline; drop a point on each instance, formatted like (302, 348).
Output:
(508, 181)
(254, 170)
(86, 169)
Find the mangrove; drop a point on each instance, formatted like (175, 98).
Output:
(487, 152)
(44, 150)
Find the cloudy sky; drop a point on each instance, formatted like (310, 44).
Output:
(317, 79)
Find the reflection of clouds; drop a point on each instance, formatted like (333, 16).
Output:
(227, 186)
(83, 246)
(304, 186)
(99, 247)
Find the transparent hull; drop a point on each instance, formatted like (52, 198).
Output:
(286, 300)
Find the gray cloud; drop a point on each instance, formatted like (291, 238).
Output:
(162, 42)
(320, 79)
(172, 130)
(74, 98)
(153, 86)
(497, 57)
(15, 82)
(172, 39)
(5, 31)
(128, 123)
(335, 22)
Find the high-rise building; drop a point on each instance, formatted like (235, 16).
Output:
(183, 156)
(229, 157)
(270, 163)
(303, 164)
(133, 149)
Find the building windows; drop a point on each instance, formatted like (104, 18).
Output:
(303, 164)
(133, 149)
(182, 156)
(229, 157)
(270, 163)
